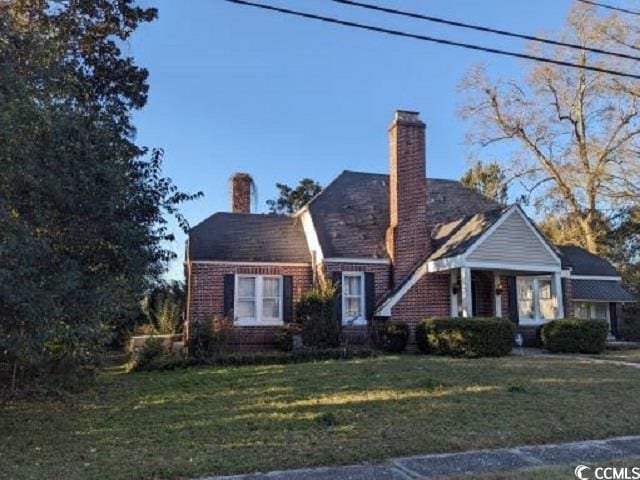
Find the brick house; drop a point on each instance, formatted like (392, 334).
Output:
(401, 246)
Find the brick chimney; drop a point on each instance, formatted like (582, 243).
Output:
(408, 238)
(241, 185)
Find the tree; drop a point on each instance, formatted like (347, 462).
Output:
(293, 199)
(82, 208)
(489, 179)
(572, 136)
(163, 307)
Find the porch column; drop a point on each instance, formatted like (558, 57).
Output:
(453, 294)
(557, 287)
(465, 284)
(498, 296)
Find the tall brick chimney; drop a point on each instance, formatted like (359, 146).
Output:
(241, 185)
(408, 239)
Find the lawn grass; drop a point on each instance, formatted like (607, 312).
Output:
(238, 419)
(632, 356)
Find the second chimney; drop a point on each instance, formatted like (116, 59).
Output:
(241, 186)
(408, 238)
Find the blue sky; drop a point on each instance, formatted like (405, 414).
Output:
(233, 88)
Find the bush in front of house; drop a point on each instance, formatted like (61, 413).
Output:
(574, 335)
(393, 337)
(285, 335)
(209, 337)
(465, 337)
(316, 313)
(145, 358)
(630, 319)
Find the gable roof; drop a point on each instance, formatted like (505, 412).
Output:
(351, 215)
(583, 262)
(241, 237)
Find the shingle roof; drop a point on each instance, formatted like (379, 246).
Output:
(455, 237)
(249, 238)
(584, 263)
(600, 290)
(351, 215)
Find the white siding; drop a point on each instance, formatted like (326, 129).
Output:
(513, 242)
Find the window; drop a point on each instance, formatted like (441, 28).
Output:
(591, 310)
(353, 299)
(536, 299)
(258, 300)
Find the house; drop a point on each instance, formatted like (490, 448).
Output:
(401, 246)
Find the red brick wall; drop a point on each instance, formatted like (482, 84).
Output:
(206, 296)
(484, 293)
(408, 239)
(241, 184)
(428, 297)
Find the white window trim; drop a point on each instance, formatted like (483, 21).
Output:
(259, 320)
(538, 320)
(362, 320)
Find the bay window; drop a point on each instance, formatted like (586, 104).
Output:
(536, 300)
(258, 300)
(353, 308)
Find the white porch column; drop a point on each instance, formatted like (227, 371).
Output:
(465, 283)
(557, 287)
(498, 297)
(453, 294)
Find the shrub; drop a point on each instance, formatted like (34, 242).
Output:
(284, 336)
(149, 353)
(315, 312)
(394, 337)
(209, 337)
(575, 336)
(466, 337)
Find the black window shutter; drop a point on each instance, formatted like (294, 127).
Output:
(336, 278)
(369, 294)
(613, 316)
(229, 285)
(287, 298)
(513, 300)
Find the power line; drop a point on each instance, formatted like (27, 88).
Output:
(611, 7)
(425, 38)
(480, 28)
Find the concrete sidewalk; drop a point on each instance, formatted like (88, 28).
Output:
(472, 462)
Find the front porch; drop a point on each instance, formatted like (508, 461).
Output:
(528, 298)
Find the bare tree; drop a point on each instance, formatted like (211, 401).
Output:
(572, 135)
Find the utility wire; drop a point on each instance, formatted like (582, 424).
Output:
(480, 28)
(425, 38)
(611, 7)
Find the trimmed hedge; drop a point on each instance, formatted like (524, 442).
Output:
(394, 337)
(465, 337)
(573, 335)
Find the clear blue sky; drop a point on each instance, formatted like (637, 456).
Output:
(238, 89)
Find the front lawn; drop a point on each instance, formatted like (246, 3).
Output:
(238, 419)
(632, 356)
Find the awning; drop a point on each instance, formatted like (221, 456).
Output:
(601, 291)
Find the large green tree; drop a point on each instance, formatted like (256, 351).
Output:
(82, 207)
(489, 179)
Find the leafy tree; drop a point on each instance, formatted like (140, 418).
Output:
(572, 136)
(489, 179)
(82, 207)
(293, 199)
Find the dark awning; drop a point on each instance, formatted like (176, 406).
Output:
(601, 290)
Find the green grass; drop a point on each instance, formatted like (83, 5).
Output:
(238, 419)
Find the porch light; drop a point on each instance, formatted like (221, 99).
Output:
(499, 290)
(455, 289)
